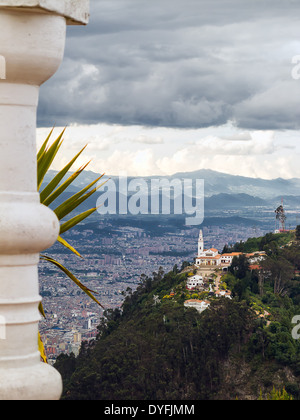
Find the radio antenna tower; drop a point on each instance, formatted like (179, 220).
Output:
(280, 216)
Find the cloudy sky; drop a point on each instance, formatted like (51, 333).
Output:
(162, 86)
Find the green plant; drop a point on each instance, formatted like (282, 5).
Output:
(276, 395)
(54, 190)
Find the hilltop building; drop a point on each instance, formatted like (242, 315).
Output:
(207, 256)
(194, 281)
(199, 305)
(211, 256)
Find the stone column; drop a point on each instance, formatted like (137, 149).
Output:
(32, 40)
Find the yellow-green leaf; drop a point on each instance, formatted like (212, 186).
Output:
(47, 157)
(42, 349)
(48, 200)
(56, 180)
(44, 145)
(73, 202)
(41, 309)
(72, 277)
(67, 245)
(75, 220)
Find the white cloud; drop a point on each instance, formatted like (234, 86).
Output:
(243, 136)
(140, 151)
(139, 163)
(148, 140)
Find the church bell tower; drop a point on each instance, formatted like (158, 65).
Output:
(200, 243)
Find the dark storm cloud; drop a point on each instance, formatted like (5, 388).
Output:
(175, 63)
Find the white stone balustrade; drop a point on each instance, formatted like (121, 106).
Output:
(32, 41)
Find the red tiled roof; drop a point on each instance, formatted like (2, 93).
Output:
(255, 267)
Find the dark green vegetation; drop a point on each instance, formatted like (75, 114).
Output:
(264, 243)
(156, 349)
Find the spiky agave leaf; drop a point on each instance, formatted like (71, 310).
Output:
(76, 199)
(42, 349)
(89, 292)
(54, 189)
(47, 196)
(46, 157)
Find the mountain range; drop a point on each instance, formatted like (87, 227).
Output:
(217, 183)
(221, 190)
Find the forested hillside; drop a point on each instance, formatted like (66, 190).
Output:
(157, 349)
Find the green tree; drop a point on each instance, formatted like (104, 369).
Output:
(281, 272)
(239, 266)
(298, 233)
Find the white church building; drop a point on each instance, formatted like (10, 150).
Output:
(211, 256)
(207, 256)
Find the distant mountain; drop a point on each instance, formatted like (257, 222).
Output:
(288, 200)
(215, 202)
(229, 201)
(215, 183)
